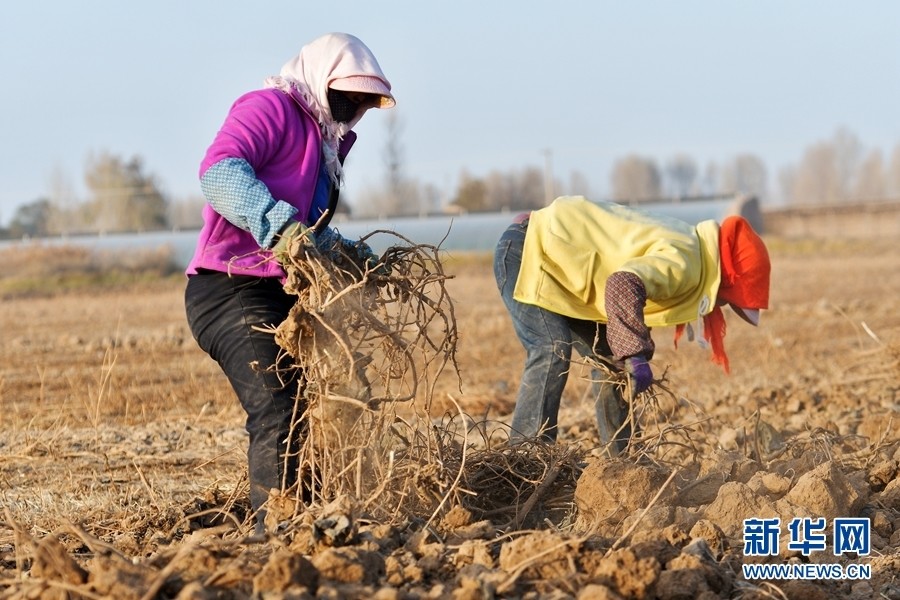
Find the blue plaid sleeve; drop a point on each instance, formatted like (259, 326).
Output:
(232, 189)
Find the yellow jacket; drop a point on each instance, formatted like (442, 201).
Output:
(574, 245)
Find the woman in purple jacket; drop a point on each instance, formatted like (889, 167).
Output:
(273, 171)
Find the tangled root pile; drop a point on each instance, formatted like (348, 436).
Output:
(370, 341)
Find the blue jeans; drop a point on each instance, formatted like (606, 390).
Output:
(222, 312)
(549, 339)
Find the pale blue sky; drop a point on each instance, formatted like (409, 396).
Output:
(480, 84)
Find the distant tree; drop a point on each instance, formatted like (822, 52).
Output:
(471, 194)
(550, 187)
(514, 190)
(815, 180)
(848, 152)
(371, 201)
(376, 201)
(411, 198)
(579, 185)
(123, 196)
(787, 178)
(431, 197)
(635, 179)
(64, 216)
(681, 175)
(893, 177)
(870, 182)
(711, 178)
(499, 191)
(746, 174)
(827, 170)
(398, 194)
(393, 160)
(32, 219)
(186, 213)
(529, 188)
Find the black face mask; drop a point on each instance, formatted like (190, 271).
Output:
(343, 109)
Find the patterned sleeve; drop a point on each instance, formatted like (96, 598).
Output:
(626, 332)
(232, 189)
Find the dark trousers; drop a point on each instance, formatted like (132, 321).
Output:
(223, 312)
(548, 339)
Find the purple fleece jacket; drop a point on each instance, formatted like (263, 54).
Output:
(279, 139)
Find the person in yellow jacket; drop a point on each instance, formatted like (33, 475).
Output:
(597, 276)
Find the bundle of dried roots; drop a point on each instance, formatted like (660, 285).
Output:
(370, 341)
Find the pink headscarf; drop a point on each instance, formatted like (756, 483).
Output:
(331, 57)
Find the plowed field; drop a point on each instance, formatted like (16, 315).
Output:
(122, 465)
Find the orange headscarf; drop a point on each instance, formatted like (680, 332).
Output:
(745, 268)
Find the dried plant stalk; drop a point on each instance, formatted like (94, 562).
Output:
(371, 341)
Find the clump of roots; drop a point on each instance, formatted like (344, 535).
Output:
(652, 436)
(371, 341)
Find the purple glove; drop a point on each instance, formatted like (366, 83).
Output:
(639, 371)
